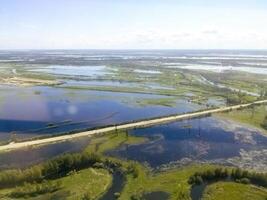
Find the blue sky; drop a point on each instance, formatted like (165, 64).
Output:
(132, 24)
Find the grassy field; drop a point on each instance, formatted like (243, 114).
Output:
(90, 182)
(169, 102)
(240, 80)
(252, 116)
(234, 191)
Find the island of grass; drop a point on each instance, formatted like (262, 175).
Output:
(90, 183)
(234, 191)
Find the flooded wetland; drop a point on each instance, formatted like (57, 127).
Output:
(48, 93)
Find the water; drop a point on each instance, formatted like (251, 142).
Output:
(35, 111)
(220, 68)
(205, 140)
(24, 158)
(92, 71)
(197, 191)
(109, 83)
(116, 187)
(100, 83)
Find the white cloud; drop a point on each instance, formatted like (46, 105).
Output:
(142, 38)
(211, 32)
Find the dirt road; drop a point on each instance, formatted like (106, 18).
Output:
(131, 125)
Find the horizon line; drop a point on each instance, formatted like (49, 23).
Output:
(136, 49)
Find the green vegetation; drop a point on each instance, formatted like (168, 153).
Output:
(239, 98)
(236, 174)
(101, 144)
(31, 190)
(264, 123)
(87, 175)
(141, 179)
(182, 82)
(92, 177)
(90, 183)
(173, 182)
(240, 80)
(209, 175)
(169, 102)
(75, 176)
(234, 191)
(52, 169)
(254, 115)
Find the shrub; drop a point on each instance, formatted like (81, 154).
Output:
(35, 189)
(244, 181)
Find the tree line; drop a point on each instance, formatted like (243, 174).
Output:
(237, 175)
(61, 166)
(51, 169)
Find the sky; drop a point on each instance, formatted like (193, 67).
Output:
(133, 24)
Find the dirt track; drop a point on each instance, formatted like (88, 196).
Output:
(144, 123)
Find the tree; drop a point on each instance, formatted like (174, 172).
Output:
(233, 99)
(264, 123)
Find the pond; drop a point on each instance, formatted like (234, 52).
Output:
(203, 140)
(35, 111)
(91, 71)
(24, 158)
